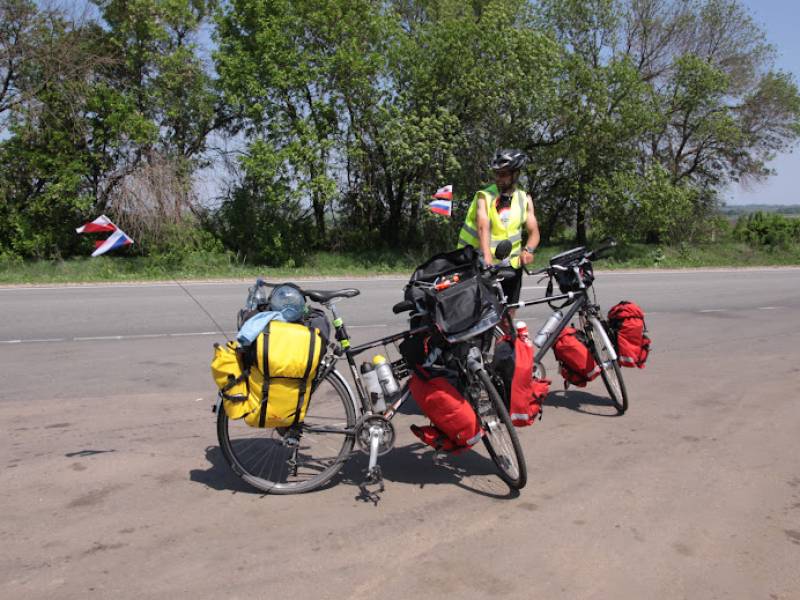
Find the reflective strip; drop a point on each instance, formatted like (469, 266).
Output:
(627, 359)
(515, 238)
(474, 439)
(469, 230)
(593, 373)
(520, 417)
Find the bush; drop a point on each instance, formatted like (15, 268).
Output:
(264, 228)
(770, 230)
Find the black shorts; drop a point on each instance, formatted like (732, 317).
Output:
(512, 286)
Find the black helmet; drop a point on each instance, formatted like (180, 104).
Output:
(509, 159)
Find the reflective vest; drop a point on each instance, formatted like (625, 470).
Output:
(510, 230)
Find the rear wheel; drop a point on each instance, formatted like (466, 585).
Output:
(609, 368)
(500, 436)
(283, 461)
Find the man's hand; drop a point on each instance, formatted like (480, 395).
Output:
(526, 257)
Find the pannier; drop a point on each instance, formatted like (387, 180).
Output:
(572, 352)
(278, 370)
(568, 280)
(448, 292)
(454, 424)
(523, 395)
(630, 334)
(231, 379)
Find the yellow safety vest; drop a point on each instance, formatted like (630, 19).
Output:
(511, 230)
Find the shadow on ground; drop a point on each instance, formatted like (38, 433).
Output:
(414, 464)
(582, 402)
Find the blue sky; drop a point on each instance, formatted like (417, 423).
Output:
(780, 19)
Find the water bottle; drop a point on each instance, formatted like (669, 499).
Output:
(370, 378)
(548, 328)
(522, 332)
(385, 376)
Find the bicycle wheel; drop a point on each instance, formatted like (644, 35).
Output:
(262, 457)
(609, 369)
(500, 438)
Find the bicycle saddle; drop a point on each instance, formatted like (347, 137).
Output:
(323, 296)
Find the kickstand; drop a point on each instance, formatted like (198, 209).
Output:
(374, 478)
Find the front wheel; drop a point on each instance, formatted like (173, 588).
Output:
(609, 366)
(500, 437)
(282, 461)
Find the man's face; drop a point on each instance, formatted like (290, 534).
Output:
(504, 179)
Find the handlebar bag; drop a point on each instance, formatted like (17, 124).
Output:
(464, 261)
(629, 333)
(454, 424)
(465, 309)
(523, 394)
(572, 352)
(569, 281)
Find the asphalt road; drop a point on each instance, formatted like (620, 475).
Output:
(112, 484)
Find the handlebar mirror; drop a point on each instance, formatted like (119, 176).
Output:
(503, 250)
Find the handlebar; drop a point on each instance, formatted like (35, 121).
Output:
(589, 255)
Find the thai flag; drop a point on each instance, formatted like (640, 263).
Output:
(117, 239)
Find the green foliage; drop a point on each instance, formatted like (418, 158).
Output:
(773, 231)
(262, 224)
(344, 116)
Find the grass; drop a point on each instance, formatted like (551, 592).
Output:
(365, 264)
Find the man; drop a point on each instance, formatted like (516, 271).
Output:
(500, 212)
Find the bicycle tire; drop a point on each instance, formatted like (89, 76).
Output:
(250, 451)
(610, 371)
(500, 437)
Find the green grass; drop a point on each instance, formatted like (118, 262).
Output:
(325, 264)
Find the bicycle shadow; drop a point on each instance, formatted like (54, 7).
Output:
(219, 476)
(418, 464)
(412, 464)
(578, 400)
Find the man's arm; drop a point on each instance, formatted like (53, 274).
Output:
(532, 225)
(482, 217)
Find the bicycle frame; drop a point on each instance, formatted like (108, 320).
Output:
(578, 303)
(349, 352)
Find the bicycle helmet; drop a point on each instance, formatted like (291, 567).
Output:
(509, 159)
(289, 301)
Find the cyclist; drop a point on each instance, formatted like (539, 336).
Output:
(501, 212)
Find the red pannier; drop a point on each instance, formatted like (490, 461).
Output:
(524, 394)
(632, 344)
(572, 352)
(454, 424)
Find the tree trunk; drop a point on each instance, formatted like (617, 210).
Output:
(319, 217)
(580, 222)
(395, 225)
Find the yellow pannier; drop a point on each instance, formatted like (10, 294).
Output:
(231, 379)
(280, 368)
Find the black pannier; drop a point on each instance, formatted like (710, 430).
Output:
(449, 292)
(568, 280)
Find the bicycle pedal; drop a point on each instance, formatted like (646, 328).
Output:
(374, 477)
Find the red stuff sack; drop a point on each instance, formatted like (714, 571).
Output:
(572, 352)
(454, 424)
(524, 394)
(630, 333)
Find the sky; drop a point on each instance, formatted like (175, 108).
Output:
(780, 19)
